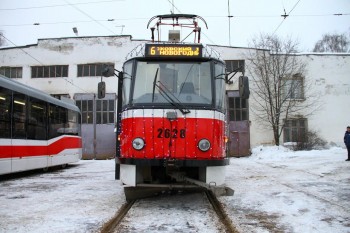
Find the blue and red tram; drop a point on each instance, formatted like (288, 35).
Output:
(36, 130)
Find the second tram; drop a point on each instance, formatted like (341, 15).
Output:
(36, 129)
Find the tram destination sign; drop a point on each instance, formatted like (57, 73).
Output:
(173, 50)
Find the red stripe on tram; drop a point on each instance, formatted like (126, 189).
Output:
(30, 150)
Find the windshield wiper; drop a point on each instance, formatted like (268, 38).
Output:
(154, 84)
(171, 98)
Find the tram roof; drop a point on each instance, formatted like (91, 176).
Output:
(33, 92)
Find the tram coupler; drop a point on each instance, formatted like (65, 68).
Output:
(222, 191)
(217, 190)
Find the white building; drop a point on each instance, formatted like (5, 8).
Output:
(71, 67)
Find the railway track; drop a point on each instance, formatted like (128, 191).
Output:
(187, 212)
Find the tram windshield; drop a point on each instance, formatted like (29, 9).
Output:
(164, 82)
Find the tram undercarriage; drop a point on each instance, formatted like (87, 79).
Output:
(144, 180)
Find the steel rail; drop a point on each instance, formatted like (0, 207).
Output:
(219, 210)
(110, 226)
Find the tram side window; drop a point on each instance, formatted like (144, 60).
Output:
(73, 123)
(57, 119)
(37, 119)
(5, 113)
(220, 87)
(19, 115)
(127, 82)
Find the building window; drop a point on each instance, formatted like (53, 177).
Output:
(60, 96)
(238, 109)
(11, 72)
(232, 65)
(294, 88)
(50, 71)
(295, 130)
(86, 108)
(105, 111)
(92, 70)
(96, 111)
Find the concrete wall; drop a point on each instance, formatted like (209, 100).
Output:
(329, 75)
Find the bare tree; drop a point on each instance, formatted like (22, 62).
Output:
(2, 39)
(279, 87)
(337, 43)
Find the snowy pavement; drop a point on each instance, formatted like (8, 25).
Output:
(77, 199)
(284, 191)
(188, 212)
(276, 190)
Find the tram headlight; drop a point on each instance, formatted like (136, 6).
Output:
(138, 143)
(204, 145)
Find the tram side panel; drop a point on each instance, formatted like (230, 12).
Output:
(36, 130)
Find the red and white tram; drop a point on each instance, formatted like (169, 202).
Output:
(36, 130)
(171, 113)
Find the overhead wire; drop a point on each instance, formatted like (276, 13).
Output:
(41, 63)
(72, 5)
(57, 5)
(68, 22)
(173, 5)
(229, 21)
(285, 16)
(210, 16)
(86, 14)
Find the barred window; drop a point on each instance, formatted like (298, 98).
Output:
(232, 65)
(87, 109)
(92, 70)
(294, 130)
(238, 109)
(96, 111)
(11, 72)
(55, 71)
(105, 111)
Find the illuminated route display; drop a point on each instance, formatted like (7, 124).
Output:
(171, 50)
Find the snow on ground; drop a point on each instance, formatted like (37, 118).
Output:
(187, 212)
(276, 190)
(77, 199)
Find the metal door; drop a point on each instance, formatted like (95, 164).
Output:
(238, 125)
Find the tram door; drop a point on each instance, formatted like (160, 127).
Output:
(238, 125)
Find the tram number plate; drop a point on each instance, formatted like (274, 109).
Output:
(171, 133)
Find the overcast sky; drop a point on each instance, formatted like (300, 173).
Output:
(308, 20)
